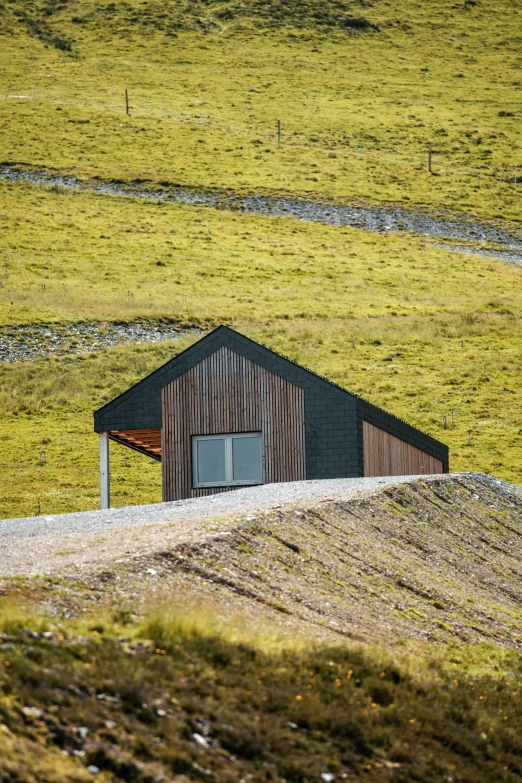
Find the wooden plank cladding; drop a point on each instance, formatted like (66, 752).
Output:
(227, 393)
(386, 455)
(146, 441)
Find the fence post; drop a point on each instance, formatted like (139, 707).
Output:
(127, 102)
(429, 158)
(279, 133)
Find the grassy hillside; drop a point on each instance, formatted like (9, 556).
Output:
(97, 679)
(431, 335)
(208, 82)
(73, 256)
(418, 330)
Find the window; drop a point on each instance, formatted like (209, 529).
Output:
(227, 460)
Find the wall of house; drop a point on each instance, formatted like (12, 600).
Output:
(386, 455)
(228, 393)
(398, 430)
(330, 412)
(333, 417)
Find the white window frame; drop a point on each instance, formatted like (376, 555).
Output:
(228, 438)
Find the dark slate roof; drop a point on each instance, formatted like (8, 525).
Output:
(149, 388)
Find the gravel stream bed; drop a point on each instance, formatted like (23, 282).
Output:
(25, 343)
(445, 226)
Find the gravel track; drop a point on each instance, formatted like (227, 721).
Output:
(248, 500)
(227, 504)
(443, 225)
(25, 343)
(95, 539)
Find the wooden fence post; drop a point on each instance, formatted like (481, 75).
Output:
(429, 159)
(127, 102)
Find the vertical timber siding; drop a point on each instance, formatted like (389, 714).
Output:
(386, 455)
(226, 393)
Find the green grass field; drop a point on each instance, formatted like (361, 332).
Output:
(208, 82)
(418, 330)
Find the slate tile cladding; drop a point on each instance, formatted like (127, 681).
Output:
(333, 416)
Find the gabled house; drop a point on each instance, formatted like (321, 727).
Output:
(229, 413)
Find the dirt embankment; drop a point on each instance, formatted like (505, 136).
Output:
(428, 559)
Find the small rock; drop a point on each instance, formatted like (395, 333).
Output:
(327, 777)
(151, 571)
(110, 724)
(291, 725)
(93, 769)
(162, 713)
(82, 732)
(200, 740)
(32, 712)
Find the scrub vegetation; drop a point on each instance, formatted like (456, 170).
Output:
(160, 701)
(376, 638)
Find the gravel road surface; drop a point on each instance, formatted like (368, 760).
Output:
(227, 504)
(370, 559)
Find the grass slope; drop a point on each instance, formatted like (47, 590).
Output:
(208, 82)
(416, 329)
(432, 336)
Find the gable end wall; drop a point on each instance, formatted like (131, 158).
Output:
(330, 413)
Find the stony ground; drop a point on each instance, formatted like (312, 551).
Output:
(430, 559)
(480, 236)
(25, 343)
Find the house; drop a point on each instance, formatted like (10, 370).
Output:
(229, 413)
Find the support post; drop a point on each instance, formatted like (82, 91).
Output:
(105, 490)
(127, 102)
(429, 158)
(279, 133)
